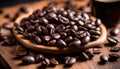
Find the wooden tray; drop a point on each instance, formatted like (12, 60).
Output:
(56, 50)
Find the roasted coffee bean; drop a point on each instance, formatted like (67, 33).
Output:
(30, 28)
(76, 43)
(68, 39)
(81, 34)
(50, 26)
(28, 59)
(115, 31)
(96, 51)
(38, 40)
(113, 56)
(70, 61)
(74, 27)
(56, 36)
(82, 28)
(53, 61)
(94, 37)
(72, 32)
(64, 13)
(83, 56)
(89, 26)
(115, 49)
(72, 23)
(60, 28)
(61, 43)
(52, 42)
(98, 22)
(46, 38)
(51, 16)
(94, 32)
(86, 39)
(103, 58)
(39, 29)
(44, 30)
(52, 31)
(39, 58)
(113, 40)
(20, 29)
(46, 62)
(9, 42)
(63, 34)
(7, 26)
(43, 21)
(85, 16)
(80, 23)
(89, 54)
(63, 20)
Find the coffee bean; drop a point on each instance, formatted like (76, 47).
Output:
(63, 19)
(113, 56)
(43, 21)
(86, 16)
(72, 32)
(89, 54)
(56, 36)
(81, 33)
(7, 26)
(39, 58)
(115, 31)
(3, 37)
(60, 27)
(83, 56)
(50, 26)
(64, 13)
(86, 39)
(51, 42)
(46, 38)
(74, 27)
(39, 29)
(51, 16)
(70, 61)
(98, 22)
(103, 58)
(7, 16)
(94, 37)
(46, 62)
(80, 23)
(61, 43)
(72, 23)
(52, 31)
(28, 59)
(1, 31)
(38, 40)
(115, 49)
(63, 34)
(44, 30)
(113, 40)
(94, 32)
(30, 28)
(76, 43)
(53, 61)
(68, 39)
(96, 51)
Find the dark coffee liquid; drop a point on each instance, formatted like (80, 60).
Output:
(108, 12)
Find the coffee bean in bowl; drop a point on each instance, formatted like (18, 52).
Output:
(59, 31)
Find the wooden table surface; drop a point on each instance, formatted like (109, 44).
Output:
(7, 53)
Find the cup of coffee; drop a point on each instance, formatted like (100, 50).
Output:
(107, 10)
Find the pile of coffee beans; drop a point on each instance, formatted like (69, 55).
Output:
(60, 27)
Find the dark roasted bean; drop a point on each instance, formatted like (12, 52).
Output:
(46, 38)
(52, 42)
(1, 31)
(56, 36)
(113, 56)
(68, 39)
(103, 58)
(72, 23)
(3, 37)
(63, 34)
(94, 32)
(43, 21)
(94, 37)
(70, 61)
(53, 61)
(51, 16)
(98, 22)
(72, 33)
(74, 27)
(39, 29)
(113, 40)
(7, 26)
(28, 59)
(64, 13)
(38, 40)
(80, 23)
(52, 31)
(46, 62)
(89, 54)
(76, 43)
(39, 57)
(86, 39)
(63, 19)
(83, 56)
(81, 34)
(115, 49)
(115, 31)
(96, 51)
(44, 30)
(61, 43)
(50, 26)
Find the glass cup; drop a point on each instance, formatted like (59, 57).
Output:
(107, 10)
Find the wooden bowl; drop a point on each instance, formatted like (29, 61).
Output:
(56, 50)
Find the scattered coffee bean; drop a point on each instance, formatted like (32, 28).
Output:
(28, 59)
(61, 43)
(113, 40)
(7, 26)
(115, 49)
(89, 54)
(38, 40)
(7, 16)
(103, 58)
(53, 61)
(46, 62)
(70, 61)
(113, 56)
(115, 31)
(96, 51)
(39, 58)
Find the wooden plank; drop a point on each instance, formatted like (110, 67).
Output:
(7, 54)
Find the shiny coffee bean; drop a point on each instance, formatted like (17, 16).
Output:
(115, 49)
(61, 43)
(89, 54)
(51, 43)
(56, 36)
(98, 22)
(43, 21)
(51, 16)
(81, 33)
(46, 38)
(50, 26)
(74, 27)
(103, 58)
(46, 62)
(39, 29)
(80, 23)
(70, 61)
(44, 30)
(28, 59)
(68, 39)
(96, 51)
(1, 30)
(38, 40)
(113, 56)
(94, 32)
(64, 13)
(7, 26)
(115, 31)
(63, 20)
(76, 43)
(39, 58)
(52, 31)
(83, 56)
(53, 61)
(86, 39)
(113, 40)
(3, 37)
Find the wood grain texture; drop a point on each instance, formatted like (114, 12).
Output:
(7, 54)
